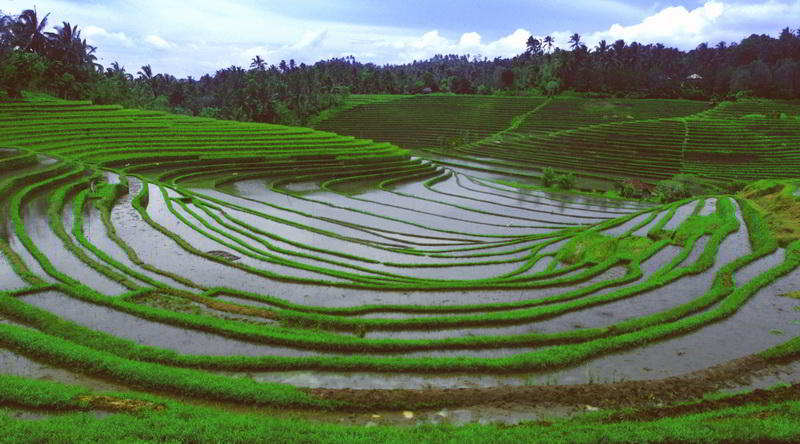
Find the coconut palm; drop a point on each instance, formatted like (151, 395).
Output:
(117, 70)
(146, 74)
(575, 41)
(28, 32)
(601, 48)
(65, 44)
(258, 63)
(6, 35)
(548, 43)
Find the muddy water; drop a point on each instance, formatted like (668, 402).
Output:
(342, 221)
(675, 293)
(566, 198)
(768, 377)
(170, 257)
(600, 208)
(158, 211)
(348, 297)
(95, 232)
(507, 413)
(452, 191)
(9, 280)
(480, 271)
(33, 265)
(34, 215)
(438, 217)
(765, 320)
(186, 306)
(417, 194)
(759, 266)
(261, 258)
(681, 214)
(529, 327)
(337, 207)
(195, 342)
(623, 228)
(15, 364)
(709, 208)
(359, 243)
(151, 333)
(642, 232)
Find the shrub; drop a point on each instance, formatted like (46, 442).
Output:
(548, 176)
(565, 181)
(552, 178)
(670, 190)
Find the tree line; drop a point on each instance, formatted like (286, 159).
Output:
(63, 64)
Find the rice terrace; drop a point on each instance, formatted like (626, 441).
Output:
(513, 255)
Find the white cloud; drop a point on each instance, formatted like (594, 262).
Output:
(430, 40)
(431, 43)
(158, 42)
(198, 36)
(469, 40)
(674, 23)
(713, 21)
(94, 33)
(311, 39)
(509, 45)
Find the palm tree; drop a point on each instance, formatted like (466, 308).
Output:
(65, 44)
(575, 41)
(548, 43)
(258, 63)
(116, 70)
(28, 32)
(6, 36)
(534, 47)
(146, 74)
(601, 48)
(87, 56)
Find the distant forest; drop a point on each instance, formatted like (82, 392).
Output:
(63, 64)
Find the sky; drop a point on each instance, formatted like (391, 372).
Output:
(195, 37)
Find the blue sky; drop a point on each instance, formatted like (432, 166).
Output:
(200, 36)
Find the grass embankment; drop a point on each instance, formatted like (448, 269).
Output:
(157, 419)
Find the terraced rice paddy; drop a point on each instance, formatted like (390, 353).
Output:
(609, 138)
(215, 259)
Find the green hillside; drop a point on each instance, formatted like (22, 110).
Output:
(652, 139)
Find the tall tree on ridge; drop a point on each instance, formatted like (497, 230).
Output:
(258, 63)
(29, 32)
(575, 41)
(548, 43)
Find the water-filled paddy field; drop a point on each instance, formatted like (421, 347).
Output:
(144, 251)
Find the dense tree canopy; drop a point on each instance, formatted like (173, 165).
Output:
(62, 63)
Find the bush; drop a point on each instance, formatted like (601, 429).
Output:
(20, 70)
(670, 191)
(625, 188)
(565, 181)
(548, 176)
(552, 178)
